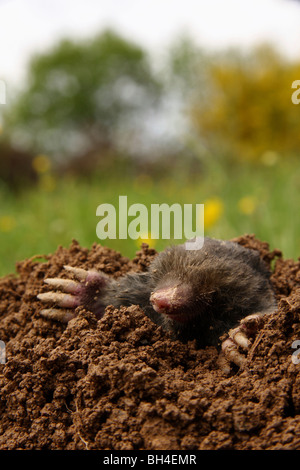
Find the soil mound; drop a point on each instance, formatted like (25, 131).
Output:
(121, 383)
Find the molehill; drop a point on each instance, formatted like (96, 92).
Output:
(122, 383)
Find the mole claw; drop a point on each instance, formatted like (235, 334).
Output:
(239, 338)
(90, 275)
(57, 314)
(229, 348)
(79, 273)
(66, 284)
(59, 298)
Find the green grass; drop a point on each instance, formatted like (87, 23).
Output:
(38, 221)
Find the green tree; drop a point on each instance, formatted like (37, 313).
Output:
(82, 95)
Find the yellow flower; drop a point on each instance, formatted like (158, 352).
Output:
(213, 209)
(247, 205)
(41, 163)
(7, 223)
(146, 238)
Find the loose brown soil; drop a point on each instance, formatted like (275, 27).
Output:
(121, 383)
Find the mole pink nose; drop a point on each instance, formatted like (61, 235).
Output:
(160, 303)
(163, 299)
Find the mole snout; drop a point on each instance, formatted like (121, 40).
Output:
(171, 300)
(163, 300)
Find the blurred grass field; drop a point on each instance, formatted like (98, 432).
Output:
(259, 199)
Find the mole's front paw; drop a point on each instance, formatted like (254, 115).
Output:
(86, 290)
(235, 347)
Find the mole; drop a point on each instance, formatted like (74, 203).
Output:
(202, 294)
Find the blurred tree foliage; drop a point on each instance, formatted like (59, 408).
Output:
(244, 109)
(90, 99)
(82, 95)
(184, 67)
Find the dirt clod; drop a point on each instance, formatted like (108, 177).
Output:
(121, 383)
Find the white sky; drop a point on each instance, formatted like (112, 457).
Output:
(27, 26)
